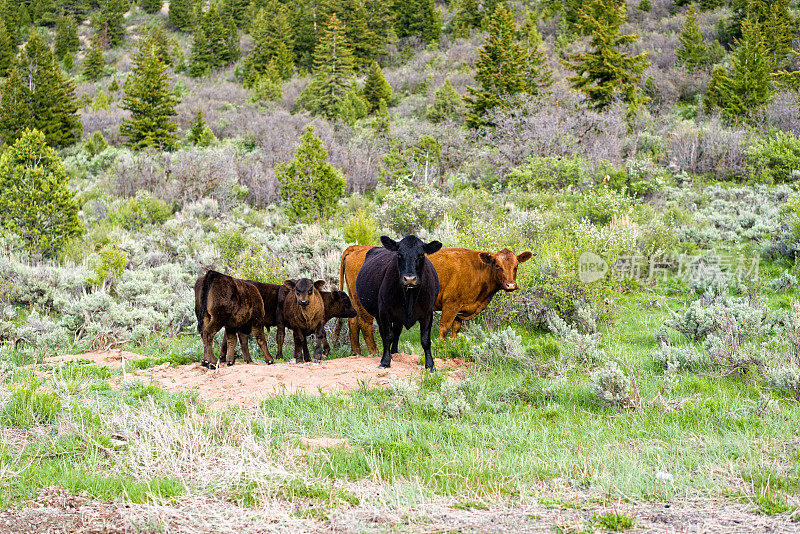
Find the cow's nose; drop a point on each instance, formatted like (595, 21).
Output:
(410, 280)
(511, 286)
(303, 303)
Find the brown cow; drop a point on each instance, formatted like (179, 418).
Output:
(303, 312)
(223, 301)
(269, 296)
(468, 280)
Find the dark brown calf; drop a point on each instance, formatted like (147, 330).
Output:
(337, 304)
(223, 301)
(303, 312)
(269, 296)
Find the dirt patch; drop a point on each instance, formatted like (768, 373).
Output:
(247, 384)
(109, 358)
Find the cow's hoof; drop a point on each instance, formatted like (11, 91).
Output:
(385, 365)
(204, 364)
(212, 366)
(230, 364)
(270, 362)
(432, 370)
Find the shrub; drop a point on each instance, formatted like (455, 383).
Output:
(406, 209)
(582, 348)
(502, 348)
(361, 229)
(140, 211)
(600, 205)
(447, 104)
(680, 358)
(613, 387)
(783, 282)
(549, 172)
(109, 268)
(775, 158)
(785, 380)
(705, 317)
(95, 144)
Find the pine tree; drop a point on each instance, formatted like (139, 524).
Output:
(538, 74)
(748, 87)
(383, 121)
(501, 68)
(645, 5)
(38, 95)
(66, 36)
(7, 52)
(273, 41)
(215, 45)
(693, 52)
(418, 18)
(9, 17)
(35, 200)
(447, 104)
(310, 186)
(606, 71)
(199, 133)
(151, 102)
(380, 23)
(94, 62)
(775, 20)
(157, 37)
(181, 14)
(376, 88)
(718, 91)
(109, 21)
(235, 10)
(333, 62)
(152, 6)
(470, 14)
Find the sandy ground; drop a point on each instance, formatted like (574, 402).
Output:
(247, 384)
(110, 358)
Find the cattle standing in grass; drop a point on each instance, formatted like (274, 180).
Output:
(337, 304)
(398, 285)
(468, 279)
(303, 312)
(269, 296)
(223, 301)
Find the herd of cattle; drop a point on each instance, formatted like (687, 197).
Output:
(399, 284)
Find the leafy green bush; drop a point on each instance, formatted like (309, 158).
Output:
(95, 144)
(109, 269)
(502, 348)
(613, 387)
(785, 380)
(361, 229)
(405, 208)
(550, 172)
(775, 158)
(600, 205)
(140, 211)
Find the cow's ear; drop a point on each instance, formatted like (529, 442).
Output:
(487, 258)
(290, 283)
(389, 243)
(319, 284)
(430, 248)
(525, 256)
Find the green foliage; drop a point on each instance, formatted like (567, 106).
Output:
(418, 18)
(361, 229)
(151, 102)
(310, 186)
(94, 61)
(66, 36)
(109, 21)
(35, 200)
(267, 87)
(502, 348)
(551, 172)
(447, 104)
(199, 133)
(95, 144)
(693, 52)
(501, 69)
(215, 44)
(406, 208)
(28, 407)
(151, 6)
(273, 44)
(376, 88)
(775, 158)
(101, 101)
(538, 75)
(606, 71)
(181, 13)
(38, 95)
(156, 36)
(245, 259)
(138, 212)
(7, 52)
(470, 14)
(111, 264)
(645, 5)
(614, 521)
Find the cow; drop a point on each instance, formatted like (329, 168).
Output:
(398, 285)
(269, 296)
(223, 301)
(468, 280)
(337, 304)
(303, 312)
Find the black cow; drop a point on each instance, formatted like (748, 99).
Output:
(398, 286)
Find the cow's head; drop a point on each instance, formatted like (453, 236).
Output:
(343, 306)
(410, 252)
(504, 266)
(304, 289)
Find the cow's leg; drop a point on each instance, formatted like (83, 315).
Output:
(457, 326)
(304, 343)
(425, 339)
(397, 329)
(244, 342)
(355, 327)
(369, 334)
(230, 335)
(210, 329)
(322, 342)
(337, 330)
(385, 330)
(446, 320)
(258, 331)
(223, 350)
(298, 346)
(279, 338)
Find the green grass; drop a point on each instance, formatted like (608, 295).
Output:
(614, 521)
(28, 407)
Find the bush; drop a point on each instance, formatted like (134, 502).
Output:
(785, 380)
(613, 387)
(503, 348)
(109, 269)
(406, 209)
(550, 172)
(783, 282)
(140, 211)
(582, 348)
(601, 205)
(361, 229)
(775, 158)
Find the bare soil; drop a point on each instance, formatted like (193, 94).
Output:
(246, 385)
(109, 358)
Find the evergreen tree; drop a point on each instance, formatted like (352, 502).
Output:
(471, 14)
(35, 200)
(328, 92)
(157, 37)
(215, 45)
(94, 62)
(236, 10)
(199, 133)
(447, 104)
(775, 20)
(418, 18)
(273, 41)
(38, 95)
(383, 121)
(181, 14)
(748, 87)
(9, 17)
(380, 23)
(606, 71)
(67, 40)
(645, 5)
(693, 52)
(308, 20)
(43, 12)
(7, 52)
(501, 68)
(109, 21)
(152, 6)
(151, 102)
(538, 74)
(310, 186)
(376, 88)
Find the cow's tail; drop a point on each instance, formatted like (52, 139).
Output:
(337, 330)
(201, 313)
